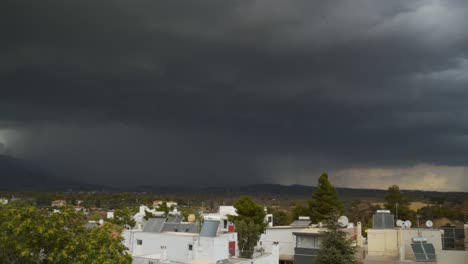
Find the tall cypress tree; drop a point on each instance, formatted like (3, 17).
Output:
(325, 202)
(249, 222)
(335, 247)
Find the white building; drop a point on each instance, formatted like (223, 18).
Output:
(4, 200)
(181, 243)
(385, 241)
(298, 236)
(169, 204)
(396, 243)
(222, 216)
(285, 238)
(139, 217)
(110, 214)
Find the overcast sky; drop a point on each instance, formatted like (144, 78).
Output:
(212, 92)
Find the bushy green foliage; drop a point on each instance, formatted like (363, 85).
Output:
(394, 197)
(280, 217)
(248, 235)
(188, 211)
(249, 222)
(440, 211)
(300, 210)
(29, 235)
(335, 247)
(123, 217)
(249, 211)
(362, 211)
(325, 201)
(163, 208)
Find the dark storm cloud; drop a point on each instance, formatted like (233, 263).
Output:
(236, 89)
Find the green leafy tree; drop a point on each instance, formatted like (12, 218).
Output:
(46, 237)
(188, 211)
(249, 222)
(336, 248)
(280, 217)
(148, 215)
(163, 208)
(300, 210)
(123, 217)
(248, 236)
(248, 210)
(392, 197)
(325, 202)
(362, 211)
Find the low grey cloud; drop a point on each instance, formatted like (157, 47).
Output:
(150, 92)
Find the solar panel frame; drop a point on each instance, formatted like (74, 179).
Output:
(424, 252)
(418, 252)
(430, 251)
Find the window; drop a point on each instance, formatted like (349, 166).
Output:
(139, 242)
(190, 247)
(308, 241)
(225, 223)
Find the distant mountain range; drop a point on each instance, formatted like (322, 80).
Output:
(287, 192)
(19, 175)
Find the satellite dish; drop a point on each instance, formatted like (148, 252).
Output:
(408, 224)
(400, 223)
(101, 222)
(343, 221)
(429, 223)
(191, 218)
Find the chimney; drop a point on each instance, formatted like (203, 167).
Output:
(163, 253)
(359, 234)
(275, 252)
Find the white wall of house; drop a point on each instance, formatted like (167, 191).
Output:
(268, 258)
(110, 214)
(177, 246)
(222, 217)
(283, 235)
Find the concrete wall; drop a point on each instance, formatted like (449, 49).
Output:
(212, 249)
(382, 242)
(176, 245)
(269, 258)
(207, 249)
(433, 236)
(452, 257)
(386, 242)
(265, 259)
(285, 237)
